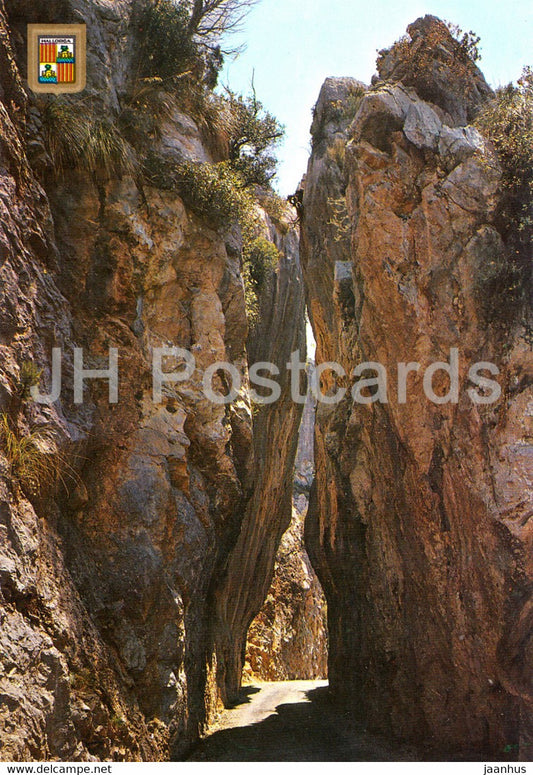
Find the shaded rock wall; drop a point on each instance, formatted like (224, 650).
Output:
(419, 523)
(108, 583)
(288, 639)
(248, 573)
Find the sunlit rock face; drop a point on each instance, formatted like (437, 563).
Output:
(419, 523)
(111, 583)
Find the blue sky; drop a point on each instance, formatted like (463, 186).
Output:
(293, 45)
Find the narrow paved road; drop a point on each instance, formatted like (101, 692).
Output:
(290, 721)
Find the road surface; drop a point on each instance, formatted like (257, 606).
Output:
(290, 721)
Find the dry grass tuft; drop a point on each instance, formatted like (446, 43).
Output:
(33, 460)
(76, 138)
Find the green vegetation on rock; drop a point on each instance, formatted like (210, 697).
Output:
(507, 121)
(31, 457)
(254, 133)
(76, 138)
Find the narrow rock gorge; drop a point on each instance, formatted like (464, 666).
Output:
(151, 546)
(419, 525)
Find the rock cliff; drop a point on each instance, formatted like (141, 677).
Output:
(118, 584)
(288, 639)
(138, 538)
(419, 525)
(248, 572)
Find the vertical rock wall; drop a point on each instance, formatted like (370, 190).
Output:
(110, 583)
(248, 574)
(288, 638)
(419, 524)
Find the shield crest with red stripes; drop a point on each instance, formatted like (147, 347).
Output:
(57, 59)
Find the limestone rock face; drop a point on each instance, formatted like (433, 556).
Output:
(429, 59)
(111, 581)
(419, 523)
(287, 640)
(248, 573)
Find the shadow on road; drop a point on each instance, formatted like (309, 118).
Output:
(313, 730)
(245, 696)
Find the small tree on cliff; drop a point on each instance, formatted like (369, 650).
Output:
(210, 20)
(179, 37)
(253, 135)
(507, 120)
(166, 48)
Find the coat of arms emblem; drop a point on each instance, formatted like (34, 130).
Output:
(56, 57)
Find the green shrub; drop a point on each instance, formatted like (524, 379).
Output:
(212, 191)
(350, 105)
(260, 258)
(66, 129)
(148, 105)
(170, 44)
(440, 64)
(212, 115)
(508, 122)
(465, 49)
(276, 208)
(179, 52)
(468, 42)
(106, 153)
(153, 100)
(253, 135)
(166, 48)
(29, 376)
(215, 193)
